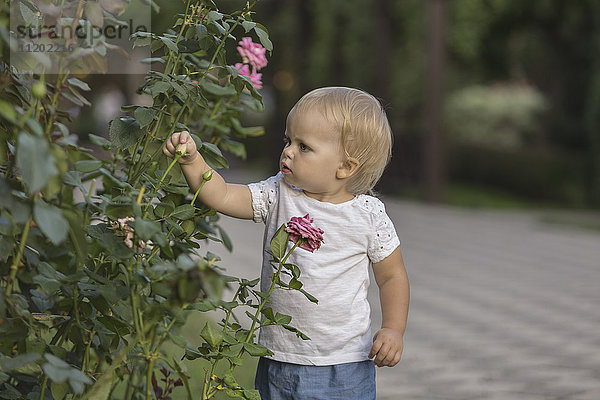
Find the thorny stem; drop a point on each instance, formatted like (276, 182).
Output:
(152, 134)
(214, 57)
(229, 312)
(207, 394)
(149, 376)
(168, 328)
(198, 191)
(15, 265)
(274, 279)
(43, 391)
(177, 157)
(86, 356)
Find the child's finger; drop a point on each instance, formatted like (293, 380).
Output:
(184, 137)
(174, 139)
(388, 359)
(397, 358)
(170, 147)
(168, 150)
(375, 348)
(382, 354)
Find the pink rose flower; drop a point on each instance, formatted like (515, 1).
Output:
(255, 77)
(302, 228)
(252, 53)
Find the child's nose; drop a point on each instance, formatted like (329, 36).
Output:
(287, 152)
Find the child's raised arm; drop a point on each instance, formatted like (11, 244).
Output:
(229, 199)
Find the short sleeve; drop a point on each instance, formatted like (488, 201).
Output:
(384, 239)
(264, 196)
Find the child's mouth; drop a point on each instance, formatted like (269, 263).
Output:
(285, 169)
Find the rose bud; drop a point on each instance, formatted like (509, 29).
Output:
(181, 149)
(207, 175)
(38, 89)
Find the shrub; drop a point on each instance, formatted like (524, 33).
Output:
(498, 116)
(101, 259)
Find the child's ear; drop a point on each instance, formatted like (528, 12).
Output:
(347, 168)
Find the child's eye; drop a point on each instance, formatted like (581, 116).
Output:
(304, 147)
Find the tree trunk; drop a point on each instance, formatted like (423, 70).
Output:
(433, 146)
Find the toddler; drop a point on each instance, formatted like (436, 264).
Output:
(337, 144)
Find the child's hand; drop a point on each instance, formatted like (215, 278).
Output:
(387, 346)
(181, 142)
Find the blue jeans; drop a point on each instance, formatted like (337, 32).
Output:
(283, 381)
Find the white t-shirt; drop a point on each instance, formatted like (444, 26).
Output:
(356, 233)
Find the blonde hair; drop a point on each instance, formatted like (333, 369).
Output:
(365, 132)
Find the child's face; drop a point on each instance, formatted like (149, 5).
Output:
(312, 157)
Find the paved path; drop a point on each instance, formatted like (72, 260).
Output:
(503, 307)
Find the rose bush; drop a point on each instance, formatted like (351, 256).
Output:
(103, 260)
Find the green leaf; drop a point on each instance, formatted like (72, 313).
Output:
(184, 211)
(256, 350)
(268, 312)
(235, 148)
(59, 371)
(218, 89)
(159, 87)
(282, 319)
(295, 270)
(143, 116)
(279, 242)
(213, 337)
(205, 305)
(214, 16)
(124, 132)
(246, 131)
(213, 156)
(309, 296)
(59, 390)
(264, 38)
(76, 82)
(6, 246)
(248, 25)
(251, 394)
(296, 331)
(225, 238)
(35, 127)
(169, 43)
(145, 228)
(35, 161)
(50, 221)
(10, 392)
(164, 209)
(7, 111)
(8, 364)
(88, 165)
(295, 284)
(189, 46)
(28, 15)
(99, 140)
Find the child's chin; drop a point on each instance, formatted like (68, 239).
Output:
(290, 180)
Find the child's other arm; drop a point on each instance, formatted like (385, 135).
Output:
(230, 199)
(394, 294)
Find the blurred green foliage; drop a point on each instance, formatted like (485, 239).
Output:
(380, 46)
(503, 117)
(551, 46)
